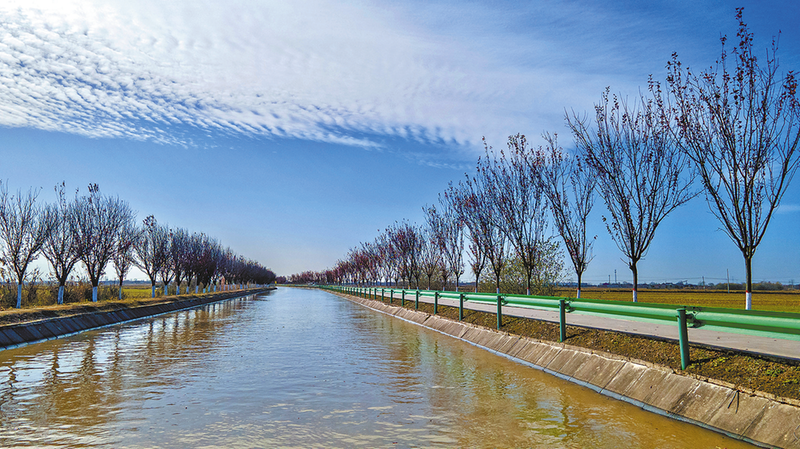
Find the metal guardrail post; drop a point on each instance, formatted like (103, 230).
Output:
(435, 302)
(383, 294)
(403, 298)
(391, 296)
(416, 301)
(461, 307)
(562, 320)
(499, 312)
(684, 338)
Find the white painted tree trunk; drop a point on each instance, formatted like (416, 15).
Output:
(152, 291)
(120, 293)
(94, 294)
(197, 287)
(578, 295)
(19, 296)
(61, 294)
(748, 300)
(635, 296)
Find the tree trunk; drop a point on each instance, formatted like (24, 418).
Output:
(120, 289)
(748, 272)
(578, 294)
(61, 294)
(635, 281)
(94, 293)
(153, 289)
(529, 284)
(19, 295)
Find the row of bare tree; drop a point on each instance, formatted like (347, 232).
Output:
(734, 126)
(97, 230)
(499, 216)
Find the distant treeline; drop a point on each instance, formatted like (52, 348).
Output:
(97, 231)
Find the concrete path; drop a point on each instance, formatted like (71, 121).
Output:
(789, 349)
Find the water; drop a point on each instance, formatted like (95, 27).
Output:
(303, 368)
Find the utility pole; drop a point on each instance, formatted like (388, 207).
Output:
(728, 272)
(615, 277)
(704, 282)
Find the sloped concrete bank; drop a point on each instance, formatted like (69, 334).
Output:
(15, 335)
(746, 415)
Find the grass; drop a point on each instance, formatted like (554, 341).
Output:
(743, 371)
(134, 297)
(775, 301)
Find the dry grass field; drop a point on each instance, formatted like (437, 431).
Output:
(776, 301)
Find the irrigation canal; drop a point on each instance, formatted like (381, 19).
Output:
(303, 368)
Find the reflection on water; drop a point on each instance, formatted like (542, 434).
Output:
(301, 368)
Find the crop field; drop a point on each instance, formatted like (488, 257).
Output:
(776, 301)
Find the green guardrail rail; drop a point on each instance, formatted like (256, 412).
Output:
(783, 325)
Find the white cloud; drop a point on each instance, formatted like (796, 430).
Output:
(308, 69)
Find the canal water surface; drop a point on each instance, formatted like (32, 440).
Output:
(303, 368)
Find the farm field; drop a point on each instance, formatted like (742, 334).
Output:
(776, 301)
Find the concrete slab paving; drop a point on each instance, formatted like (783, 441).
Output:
(739, 413)
(670, 391)
(703, 403)
(625, 377)
(778, 426)
(598, 370)
(567, 361)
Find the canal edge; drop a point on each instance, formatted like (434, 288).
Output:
(23, 334)
(738, 413)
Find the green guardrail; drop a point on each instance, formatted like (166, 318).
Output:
(783, 325)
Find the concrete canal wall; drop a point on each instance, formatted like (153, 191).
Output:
(758, 418)
(14, 335)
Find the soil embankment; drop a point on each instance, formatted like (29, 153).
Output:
(19, 327)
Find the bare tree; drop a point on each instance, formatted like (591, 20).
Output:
(123, 257)
(519, 201)
(454, 237)
(486, 216)
(740, 126)
(430, 255)
(569, 189)
(438, 229)
(641, 173)
(177, 253)
(468, 208)
(408, 242)
(97, 223)
(208, 262)
(149, 254)
(23, 228)
(59, 246)
(167, 269)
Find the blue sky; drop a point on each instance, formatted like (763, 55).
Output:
(292, 131)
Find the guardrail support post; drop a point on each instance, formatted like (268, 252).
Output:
(499, 312)
(391, 296)
(383, 294)
(416, 301)
(403, 298)
(684, 338)
(435, 302)
(461, 307)
(562, 320)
